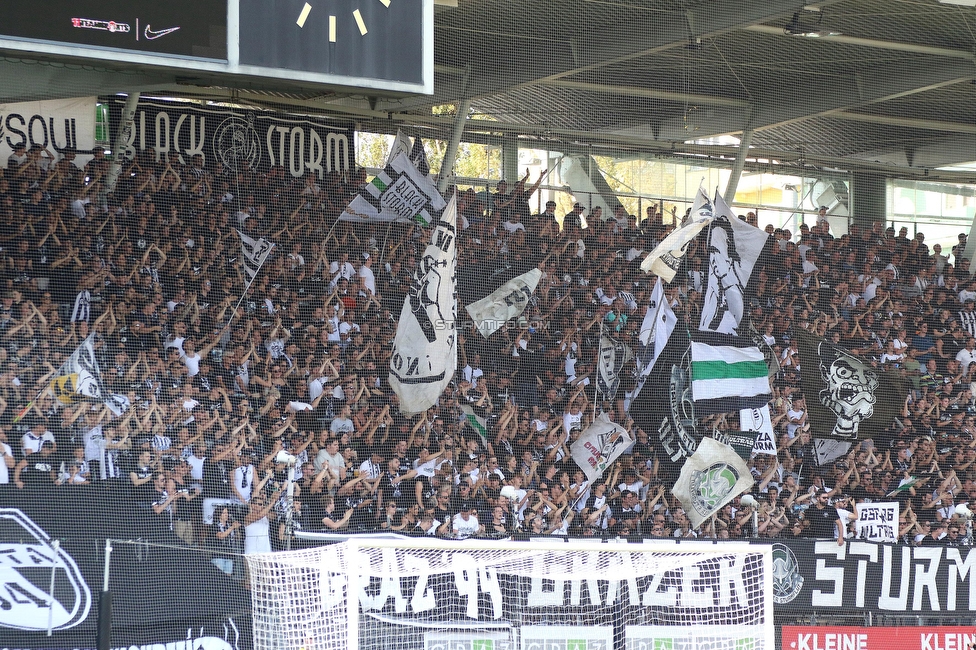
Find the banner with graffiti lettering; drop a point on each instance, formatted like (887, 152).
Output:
(54, 125)
(239, 140)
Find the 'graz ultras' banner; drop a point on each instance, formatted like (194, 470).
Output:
(240, 139)
(162, 598)
(820, 576)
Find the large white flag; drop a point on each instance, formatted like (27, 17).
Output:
(733, 249)
(666, 257)
(80, 380)
(504, 303)
(398, 193)
(710, 478)
(425, 346)
(600, 445)
(254, 252)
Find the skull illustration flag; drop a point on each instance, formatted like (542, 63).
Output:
(398, 193)
(846, 397)
(734, 252)
(425, 346)
(713, 476)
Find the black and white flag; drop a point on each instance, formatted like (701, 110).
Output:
(847, 398)
(425, 346)
(254, 252)
(666, 257)
(600, 445)
(504, 303)
(734, 248)
(613, 356)
(398, 193)
(79, 379)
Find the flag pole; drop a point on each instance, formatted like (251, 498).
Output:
(596, 377)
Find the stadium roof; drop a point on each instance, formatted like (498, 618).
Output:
(886, 85)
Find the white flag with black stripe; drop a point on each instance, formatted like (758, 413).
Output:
(254, 252)
(425, 346)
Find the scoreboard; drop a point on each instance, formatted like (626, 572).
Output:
(381, 44)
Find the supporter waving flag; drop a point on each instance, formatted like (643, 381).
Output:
(80, 380)
(425, 346)
(400, 192)
(734, 250)
(665, 259)
(254, 253)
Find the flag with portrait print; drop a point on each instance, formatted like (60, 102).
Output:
(424, 355)
(734, 251)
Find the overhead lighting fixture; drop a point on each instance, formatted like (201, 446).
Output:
(809, 29)
(959, 3)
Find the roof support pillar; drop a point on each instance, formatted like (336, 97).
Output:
(740, 163)
(450, 156)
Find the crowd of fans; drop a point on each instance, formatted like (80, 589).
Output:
(218, 384)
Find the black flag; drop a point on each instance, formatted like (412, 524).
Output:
(847, 398)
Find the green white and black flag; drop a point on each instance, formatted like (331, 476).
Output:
(398, 193)
(847, 398)
(710, 478)
(728, 373)
(476, 422)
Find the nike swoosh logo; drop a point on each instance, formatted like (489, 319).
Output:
(151, 35)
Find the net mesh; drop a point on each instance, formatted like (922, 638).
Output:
(443, 596)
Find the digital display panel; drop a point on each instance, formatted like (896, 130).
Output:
(190, 28)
